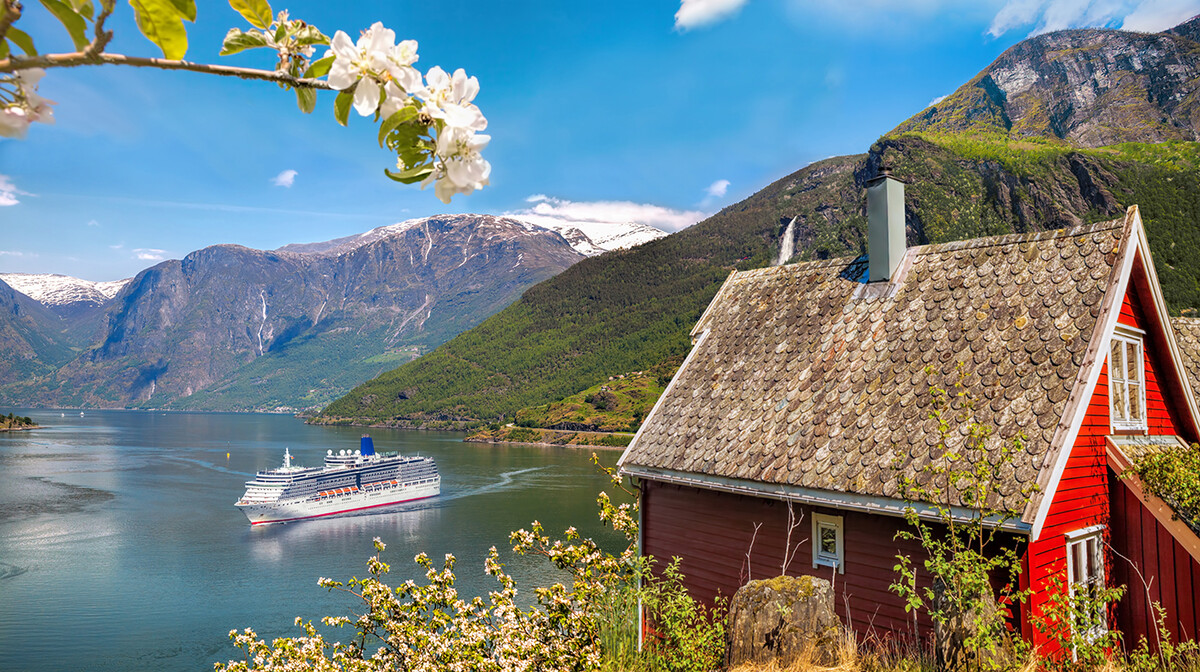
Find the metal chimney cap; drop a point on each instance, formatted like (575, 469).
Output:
(885, 171)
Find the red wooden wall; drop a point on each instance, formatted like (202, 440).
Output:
(712, 533)
(1150, 556)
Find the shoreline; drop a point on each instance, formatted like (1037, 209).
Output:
(21, 429)
(577, 446)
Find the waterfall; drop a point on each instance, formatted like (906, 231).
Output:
(787, 246)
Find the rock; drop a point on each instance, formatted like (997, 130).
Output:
(782, 619)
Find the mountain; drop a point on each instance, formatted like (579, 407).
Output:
(1090, 88)
(232, 328)
(588, 238)
(63, 294)
(1027, 145)
(30, 337)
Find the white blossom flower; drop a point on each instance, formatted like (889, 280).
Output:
(397, 61)
(460, 169)
(357, 61)
(448, 97)
(27, 106)
(14, 122)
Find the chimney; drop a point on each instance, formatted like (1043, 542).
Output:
(885, 225)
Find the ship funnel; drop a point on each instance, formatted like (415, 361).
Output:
(367, 447)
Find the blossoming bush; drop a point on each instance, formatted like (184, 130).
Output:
(430, 121)
(429, 626)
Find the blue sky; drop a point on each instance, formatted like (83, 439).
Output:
(607, 108)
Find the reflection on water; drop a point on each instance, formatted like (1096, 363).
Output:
(404, 521)
(119, 528)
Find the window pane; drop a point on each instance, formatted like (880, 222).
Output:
(1135, 402)
(1132, 362)
(828, 541)
(1115, 366)
(1118, 400)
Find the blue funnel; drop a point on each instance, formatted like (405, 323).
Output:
(367, 447)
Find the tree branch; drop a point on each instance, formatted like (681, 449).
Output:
(78, 58)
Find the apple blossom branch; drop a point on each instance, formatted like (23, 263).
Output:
(79, 58)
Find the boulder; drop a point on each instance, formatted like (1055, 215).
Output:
(783, 619)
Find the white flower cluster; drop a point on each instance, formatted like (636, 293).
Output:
(21, 103)
(385, 81)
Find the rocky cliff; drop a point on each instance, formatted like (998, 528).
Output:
(1087, 87)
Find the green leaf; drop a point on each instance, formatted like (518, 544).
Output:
(281, 31)
(71, 20)
(186, 9)
(411, 175)
(257, 12)
(22, 40)
(310, 35)
(319, 67)
(160, 22)
(236, 40)
(341, 106)
(406, 113)
(306, 99)
(84, 8)
(3, 49)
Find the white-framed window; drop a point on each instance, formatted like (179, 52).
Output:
(1126, 375)
(829, 548)
(1085, 580)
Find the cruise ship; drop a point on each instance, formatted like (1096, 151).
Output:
(349, 482)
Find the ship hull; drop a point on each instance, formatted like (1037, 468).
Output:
(305, 509)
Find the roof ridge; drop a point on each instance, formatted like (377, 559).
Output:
(1011, 238)
(949, 246)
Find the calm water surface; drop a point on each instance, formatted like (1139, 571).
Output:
(120, 547)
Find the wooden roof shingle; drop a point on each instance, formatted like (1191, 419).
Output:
(805, 375)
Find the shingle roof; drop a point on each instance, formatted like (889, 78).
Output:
(1187, 336)
(808, 377)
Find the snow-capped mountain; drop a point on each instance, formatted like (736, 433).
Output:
(63, 291)
(592, 238)
(586, 237)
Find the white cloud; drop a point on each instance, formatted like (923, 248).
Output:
(547, 209)
(717, 189)
(1048, 15)
(92, 222)
(117, 246)
(1152, 17)
(937, 100)
(14, 253)
(149, 254)
(9, 192)
(696, 13)
(285, 179)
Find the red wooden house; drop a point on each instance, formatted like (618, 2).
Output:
(806, 389)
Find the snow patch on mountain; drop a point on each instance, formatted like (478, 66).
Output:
(345, 244)
(586, 237)
(51, 289)
(592, 238)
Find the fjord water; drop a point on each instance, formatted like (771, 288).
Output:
(120, 547)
